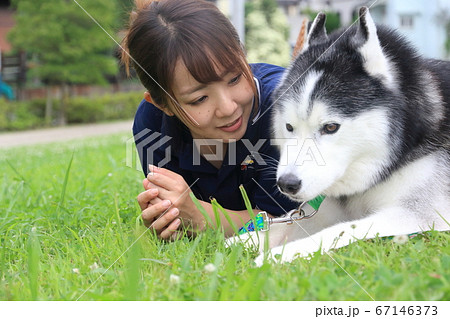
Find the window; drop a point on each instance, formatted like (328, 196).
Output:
(407, 21)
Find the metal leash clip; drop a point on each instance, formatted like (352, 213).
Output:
(261, 222)
(289, 218)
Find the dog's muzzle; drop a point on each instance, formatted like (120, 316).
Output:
(289, 184)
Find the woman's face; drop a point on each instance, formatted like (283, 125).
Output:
(218, 110)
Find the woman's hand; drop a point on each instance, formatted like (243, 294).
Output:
(159, 214)
(168, 209)
(172, 187)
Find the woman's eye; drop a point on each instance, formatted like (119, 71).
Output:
(330, 128)
(235, 79)
(198, 101)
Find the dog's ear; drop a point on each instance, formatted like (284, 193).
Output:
(301, 39)
(317, 32)
(309, 26)
(376, 63)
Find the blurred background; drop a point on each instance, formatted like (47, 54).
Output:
(59, 67)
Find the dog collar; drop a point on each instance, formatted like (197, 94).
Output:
(316, 202)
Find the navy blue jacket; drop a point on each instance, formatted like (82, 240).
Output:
(164, 141)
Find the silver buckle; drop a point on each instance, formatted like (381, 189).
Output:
(289, 218)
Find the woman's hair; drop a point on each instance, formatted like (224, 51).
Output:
(195, 31)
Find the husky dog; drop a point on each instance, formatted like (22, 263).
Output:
(375, 117)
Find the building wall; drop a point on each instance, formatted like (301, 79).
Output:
(419, 21)
(6, 23)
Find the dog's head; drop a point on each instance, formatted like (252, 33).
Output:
(332, 112)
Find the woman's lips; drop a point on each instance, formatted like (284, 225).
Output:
(234, 126)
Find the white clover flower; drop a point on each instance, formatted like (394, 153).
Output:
(400, 239)
(76, 271)
(94, 266)
(210, 268)
(174, 279)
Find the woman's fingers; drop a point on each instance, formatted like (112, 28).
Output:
(168, 187)
(163, 220)
(146, 197)
(145, 183)
(171, 233)
(161, 181)
(163, 171)
(162, 193)
(152, 212)
(166, 225)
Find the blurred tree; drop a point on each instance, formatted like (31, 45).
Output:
(269, 8)
(124, 7)
(266, 33)
(65, 46)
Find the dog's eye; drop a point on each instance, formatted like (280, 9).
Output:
(330, 128)
(289, 127)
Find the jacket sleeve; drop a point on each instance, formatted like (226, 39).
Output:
(148, 138)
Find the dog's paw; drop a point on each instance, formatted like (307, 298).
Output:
(284, 254)
(259, 261)
(249, 240)
(274, 255)
(238, 239)
(229, 242)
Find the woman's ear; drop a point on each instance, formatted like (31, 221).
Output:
(149, 99)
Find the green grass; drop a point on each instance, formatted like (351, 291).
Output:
(68, 216)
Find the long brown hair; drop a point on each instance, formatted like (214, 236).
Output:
(195, 31)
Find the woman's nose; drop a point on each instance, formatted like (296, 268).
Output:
(227, 106)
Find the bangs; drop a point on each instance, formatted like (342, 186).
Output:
(205, 61)
(206, 66)
(206, 55)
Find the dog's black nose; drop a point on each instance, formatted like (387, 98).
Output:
(289, 184)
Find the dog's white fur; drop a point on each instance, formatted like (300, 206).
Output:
(389, 217)
(413, 198)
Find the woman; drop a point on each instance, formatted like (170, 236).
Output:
(205, 118)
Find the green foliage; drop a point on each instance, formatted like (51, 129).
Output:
(267, 33)
(20, 115)
(125, 7)
(269, 8)
(64, 44)
(103, 108)
(333, 20)
(83, 247)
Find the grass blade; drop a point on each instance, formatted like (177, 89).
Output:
(201, 209)
(248, 205)
(217, 206)
(15, 171)
(216, 212)
(34, 252)
(212, 289)
(132, 273)
(66, 179)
